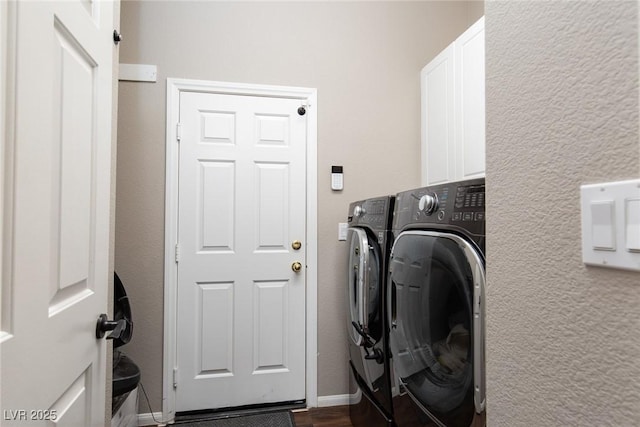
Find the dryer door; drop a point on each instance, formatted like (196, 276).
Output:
(436, 318)
(364, 287)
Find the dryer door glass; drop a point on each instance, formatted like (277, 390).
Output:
(364, 287)
(357, 276)
(373, 311)
(433, 277)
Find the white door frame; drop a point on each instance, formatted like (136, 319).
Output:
(308, 98)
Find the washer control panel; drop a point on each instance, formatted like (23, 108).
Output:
(459, 203)
(469, 203)
(374, 213)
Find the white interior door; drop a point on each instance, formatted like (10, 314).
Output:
(241, 305)
(56, 205)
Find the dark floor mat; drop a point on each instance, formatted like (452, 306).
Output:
(270, 419)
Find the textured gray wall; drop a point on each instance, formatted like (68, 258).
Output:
(365, 60)
(562, 110)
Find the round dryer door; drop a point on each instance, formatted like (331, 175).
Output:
(364, 287)
(437, 336)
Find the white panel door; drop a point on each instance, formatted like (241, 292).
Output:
(438, 144)
(57, 205)
(241, 307)
(470, 103)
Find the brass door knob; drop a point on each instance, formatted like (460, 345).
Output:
(296, 244)
(296, 266)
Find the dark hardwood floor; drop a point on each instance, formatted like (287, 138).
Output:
(335, 416)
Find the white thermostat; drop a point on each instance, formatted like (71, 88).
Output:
(337, 181)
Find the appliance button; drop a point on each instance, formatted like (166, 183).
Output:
(468, 216)
(479, 216)
(428, 203)
(457, 216)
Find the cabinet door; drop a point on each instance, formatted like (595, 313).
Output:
(470, 103)
(438, 144)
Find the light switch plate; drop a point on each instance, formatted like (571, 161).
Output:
(603, 225)
(632, 215)
(343, 229)
(611, 224)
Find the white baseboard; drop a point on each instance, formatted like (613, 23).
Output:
(338, 399)
(355, 397)
(149, 419)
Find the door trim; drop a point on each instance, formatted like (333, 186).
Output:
(7, 124)
(308, 98)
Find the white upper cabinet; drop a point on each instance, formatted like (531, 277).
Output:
(438, 111)
(453, 111)
(469, 102)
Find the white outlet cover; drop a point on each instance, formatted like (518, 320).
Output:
(610, 222)
(343, 229)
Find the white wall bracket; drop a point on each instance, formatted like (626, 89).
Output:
(138, 73)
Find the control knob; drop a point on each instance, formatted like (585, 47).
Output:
(359, 211)
(428, 203)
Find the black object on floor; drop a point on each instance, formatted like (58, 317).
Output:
(126, 374)
(269, 419)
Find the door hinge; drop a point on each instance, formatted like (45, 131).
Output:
(175, 377)
(177, 252)
(178, 131)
